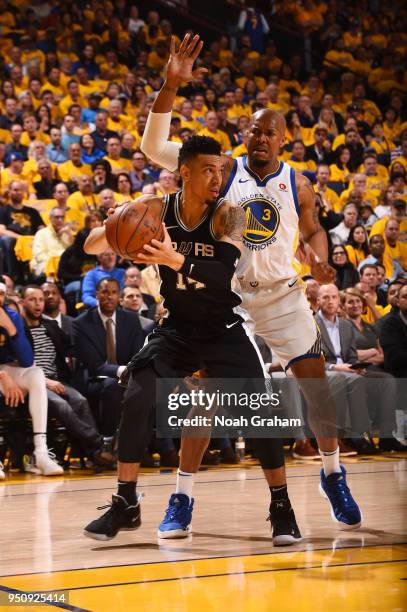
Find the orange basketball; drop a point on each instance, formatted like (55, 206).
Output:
(132, 226)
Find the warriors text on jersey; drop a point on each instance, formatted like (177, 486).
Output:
(188, 300)
(271, 234)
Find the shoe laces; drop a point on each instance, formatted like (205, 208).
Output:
(173, 511)
(341, 491)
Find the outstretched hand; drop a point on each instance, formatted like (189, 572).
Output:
(180, 63)
(162, 253)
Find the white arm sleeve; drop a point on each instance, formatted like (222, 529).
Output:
(155, 144)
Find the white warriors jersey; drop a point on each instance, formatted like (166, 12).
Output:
(271, 234)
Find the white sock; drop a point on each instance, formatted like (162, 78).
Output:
(330, 461)
(185, 483)
(40, 442)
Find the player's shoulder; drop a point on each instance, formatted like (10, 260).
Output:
(228, 216)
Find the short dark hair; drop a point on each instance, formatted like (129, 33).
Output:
(198, 145)
(109, 279)
(366, 266)
(27, 287)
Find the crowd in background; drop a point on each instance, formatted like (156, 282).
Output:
(77, 83)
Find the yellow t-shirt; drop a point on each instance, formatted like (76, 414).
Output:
(337, 175)
(379, 227)
(398, 252)
(26, 140)
(220, 136)
(238, 110)
(68, 172)
(309, 165)
(119, 165)
(82, 203)
(239, 150)
(356, 256)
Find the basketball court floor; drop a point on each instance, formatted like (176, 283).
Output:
(228, 563)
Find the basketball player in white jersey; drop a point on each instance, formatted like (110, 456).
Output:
(279, 203)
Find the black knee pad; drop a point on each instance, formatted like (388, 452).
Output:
(270, 452)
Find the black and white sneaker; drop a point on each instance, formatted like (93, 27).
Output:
(283, 524)
(120, 517)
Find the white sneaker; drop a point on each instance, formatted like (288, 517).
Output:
(2, 474)
(45, 464)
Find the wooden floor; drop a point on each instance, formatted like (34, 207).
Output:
(228, 563)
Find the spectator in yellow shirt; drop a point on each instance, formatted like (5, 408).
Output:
(50, 241)
(15, 172)
(211, 129)
(379, 142)
(187, 121)
(83, 200)
(158, 57)
(54, 84)
(396, 249)
(248, 69)
(397, 211)
(31, 132)
(297, 159)
(116, 161)
(359, 184)
(328, 195)
(357, 245)
(73, 169)
(117, 121)
(73, 97)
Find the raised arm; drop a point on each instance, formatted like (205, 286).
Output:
(155, 143)
(312, 232)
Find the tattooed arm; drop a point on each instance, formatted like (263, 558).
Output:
(312, 232)
(229, 224)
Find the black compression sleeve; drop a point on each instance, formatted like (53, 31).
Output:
(216, 273)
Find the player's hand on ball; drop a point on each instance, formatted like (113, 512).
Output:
(323, 272)
(162, 253)
(180, 64)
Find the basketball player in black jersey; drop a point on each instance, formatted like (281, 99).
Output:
(201, 331)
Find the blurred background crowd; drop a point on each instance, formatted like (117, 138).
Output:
(77, 80)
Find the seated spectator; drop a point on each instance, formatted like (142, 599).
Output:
(346, 274)
(113, 156)
(50, 241)
(339, 170)
(105, 340)
(131, 299)
(340, 234)
(15, 145)
(396, 210)
(53, 307)
(16, 220)
(133, 278)
(211, 129)
(378, 255)
(123, 191)
(359, 185)
(55, 151)
(386, 198)
(51, 346)
(44, 188)
(73, 266)
(89, 151)
(83, 200)
(392, 300)
(393, 337)
(297, 159)
(71, 170)
(328, 195)
(357, 245)
(368, 285)
(101, 134)
(354, 389)
(106, 268)
(396, 249)
(138, 176)
(26, 378)
(102, 175)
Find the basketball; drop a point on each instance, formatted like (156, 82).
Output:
(132, 226)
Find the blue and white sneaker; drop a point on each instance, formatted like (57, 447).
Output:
(177, 519)
(344, 509)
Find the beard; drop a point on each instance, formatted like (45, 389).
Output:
(259, 163)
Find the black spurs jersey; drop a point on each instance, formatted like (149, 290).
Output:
(189, 302)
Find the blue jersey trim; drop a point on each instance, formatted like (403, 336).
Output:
(261, 182)
(230, 179)
(294, 190)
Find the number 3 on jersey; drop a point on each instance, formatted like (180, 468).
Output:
(184, 281)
